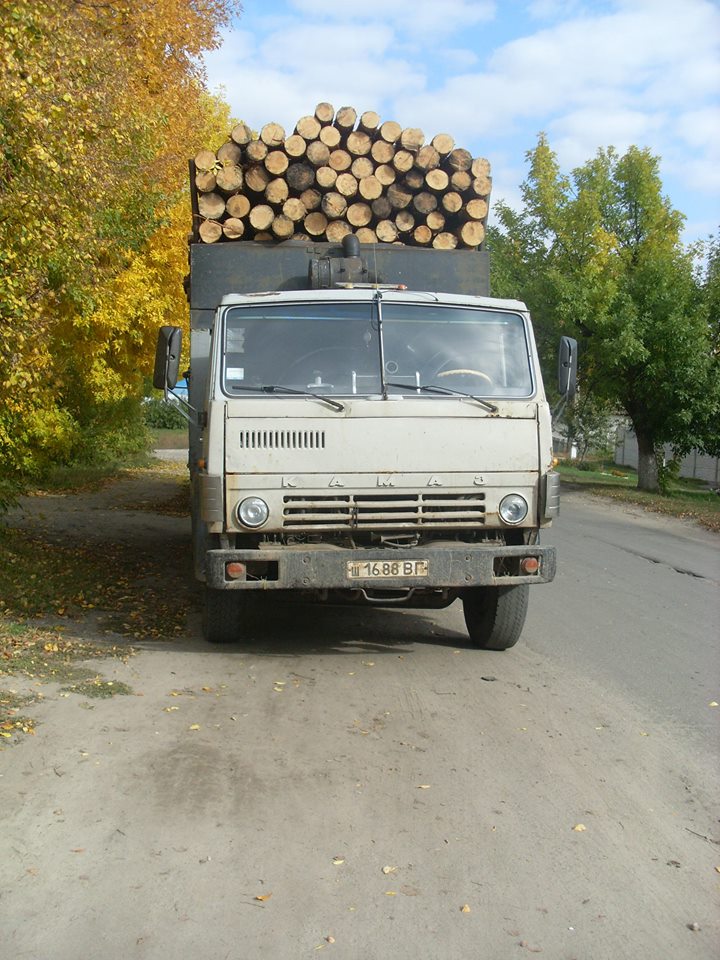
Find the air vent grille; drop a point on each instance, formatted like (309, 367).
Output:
(282, 440)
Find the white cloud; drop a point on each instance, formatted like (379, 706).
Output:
(411, 17)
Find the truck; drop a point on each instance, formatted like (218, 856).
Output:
(367, 426)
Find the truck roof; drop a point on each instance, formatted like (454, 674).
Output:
(359, 293)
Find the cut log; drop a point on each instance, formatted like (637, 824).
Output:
(472, 233)
(366, 235)
(205, 181)
(412, 138)
(324, 112)
(295, 209)
(300, 176)
(437, 180)
(311, 199)
(445, 241)
(229, 180)
(205, 160)
(370, 188)
(390, 131)
(263, 236)
(436, 221)
(362, 167)
(315, 224)
(386, 231)
(308, 128)
(238, 206)
(233, 229)
(347, 185)
(425, 202)
(211, 206)
(261, 217)
(210, 231)
(422, 235)
(382, 152)
(459, 159)
(256, 151)
(427, 158)
(358, 143)
(476, 209)
(369, 122)
(318, 153)
(283, 227)
(276, 162)
(414, 179)
(359, 214)
(345, 118)
(257, 178)
(276, 192)
(241, 134)
(399, 196)
(451, 202)
(333, 205)
(336, 230)
(330, 136)
(403, 160)
(443, 143)
(381, 208)
(460, 180)
(386, 174)
(272, 134)
(480, 167)
(325, 177)
(481, 186)
(295, 146)
(404, 221)
(300, 236)
(340, 160)
(230, 154)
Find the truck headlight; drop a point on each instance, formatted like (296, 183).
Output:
(513, 508)
(252, 512)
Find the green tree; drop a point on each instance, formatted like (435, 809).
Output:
(597, 255)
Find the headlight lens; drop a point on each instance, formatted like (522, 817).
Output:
(513, 508)
(252, 512)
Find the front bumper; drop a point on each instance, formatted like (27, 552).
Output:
(460, 566)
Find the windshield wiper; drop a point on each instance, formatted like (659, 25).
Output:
(279, 388)
(432, 388)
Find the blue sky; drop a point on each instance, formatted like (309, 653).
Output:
(588, 73)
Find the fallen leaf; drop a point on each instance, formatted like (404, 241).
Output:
(643, 734)
(194, 726)
(78, 850)
(391, 893)
(424, 786)
(338, 860)
(206, 689)
(368, 663)
(387, 870)
(170, 709)
(579, 827)
(330, 939)
(465, 908)
(263, 897)
(713, 703)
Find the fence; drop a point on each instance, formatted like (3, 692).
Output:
(695, 466)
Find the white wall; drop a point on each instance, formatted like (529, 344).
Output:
(697, 466)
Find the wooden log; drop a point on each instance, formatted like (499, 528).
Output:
(403, 161)
(333, 205)
(272, 134)
(390, 131)
(422, 235)
(295, 209)
(324, 112)
(311, 199)
(283, 227)
(437, 180)
(295, 146)
(370, 188)
(256, 151)
(436, 221)
(460, 180)
(404, 221)
(414, 179)
(345, 118)
(369, 122)
(362, 167)
(480, 167)
(445, 241)
(412, 138)
(386, 174)
(261, 217)
(300, 236)
(472, 233)
(399, 196)
(237, 206)
(366, 235)
(230, 154)
(459, 159)
(300, 176)
(386, 231)
(480, 186)
(318, 153)
(276, 192)
(476, 209)
(315, 224)
(330, 136)
(336, 230)
(359, 214)
(325, 177)
(443, 143)
(340, 160)
(263, 236)
(425, 202)
(358, 143)
(308, 128)
(381, 208)
(205, 160)
(451, 202)
(382, 151)
(205, 181)
(233, 229)
(211, 206)
(241, 134)
(276, 162)
(256, 178)
(210, 231)
(347, 185)
(427, 158)
(229, 180)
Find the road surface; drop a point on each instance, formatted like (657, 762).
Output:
(362, 784)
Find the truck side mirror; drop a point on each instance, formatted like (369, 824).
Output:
(167, 358)
(567, 368)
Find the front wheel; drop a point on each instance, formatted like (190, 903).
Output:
(225, 615)
(495, 616)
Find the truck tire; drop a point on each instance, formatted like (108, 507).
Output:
(223, 615)
(495, 616)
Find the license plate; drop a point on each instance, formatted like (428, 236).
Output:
(386, 569)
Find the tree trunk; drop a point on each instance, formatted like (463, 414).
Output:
(647, 462)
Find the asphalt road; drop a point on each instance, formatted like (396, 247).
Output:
(362, 784)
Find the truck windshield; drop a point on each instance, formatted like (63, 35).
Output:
(333, 349)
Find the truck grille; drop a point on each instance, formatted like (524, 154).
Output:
(384, 511)
(282, 440)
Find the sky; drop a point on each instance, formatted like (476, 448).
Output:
(588, 73)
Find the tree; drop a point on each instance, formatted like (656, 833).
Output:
(597, 255)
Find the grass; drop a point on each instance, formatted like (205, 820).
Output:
(687, 499)
(169, 439)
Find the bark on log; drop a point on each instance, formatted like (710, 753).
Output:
(272, 134)
(295, 209)
(237, 206)
(386, 231)
(233, 229)
(334, 205)
(205, 160)
(283, 227)
(366, 235)
(210, 231)
(336, 230)
(370, 188)
(300, 176)
(315, 224)
(295, 146)
(241, 134)
(472, 233)
(340, 160)
(324, 112)
(437, 180)
(359, 214)
(382, 152)
(330, 136)
(358, 143)
(205, 181)
(311, 199)
(211, 206)
(308, 128)
(318, 153)
(229, 180)
(362, 167)
(459, 159)
(443, 143)
(345, 118)
(369, 122)
(412, 138)
(347, 185)
(230, 154)
(276, 192)
(390, 131)
(257, 178)
(256, 151)
(261, 217)
(276, 162)
(325, 177)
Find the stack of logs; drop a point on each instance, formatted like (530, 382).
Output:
(337, 174)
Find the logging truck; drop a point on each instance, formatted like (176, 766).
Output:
(366, 424)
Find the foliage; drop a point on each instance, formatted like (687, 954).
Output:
(163, 415)
(100, 105)
(597, 255)
(589, 424)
